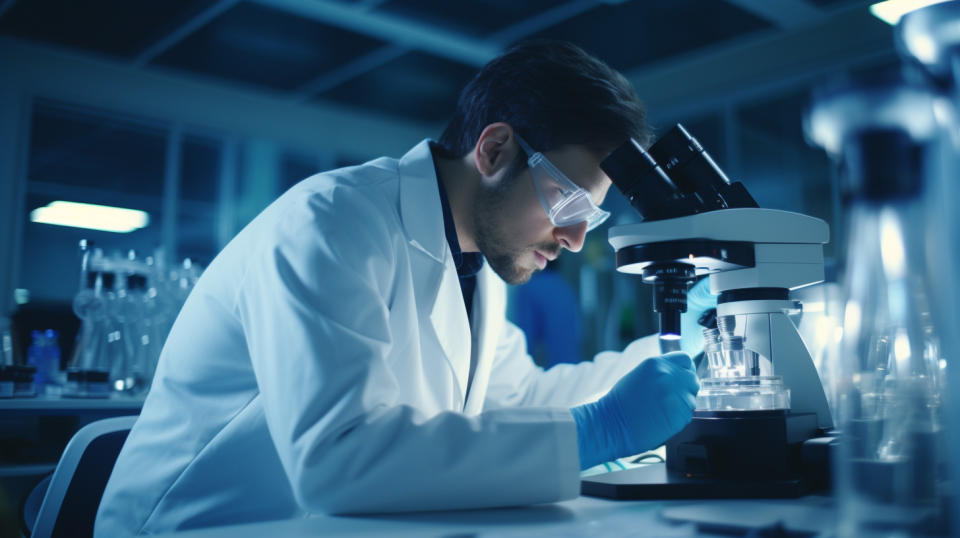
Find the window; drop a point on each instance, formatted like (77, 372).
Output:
(89, 157)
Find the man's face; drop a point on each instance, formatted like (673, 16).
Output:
(513, 231)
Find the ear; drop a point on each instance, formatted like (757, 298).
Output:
(496, 148)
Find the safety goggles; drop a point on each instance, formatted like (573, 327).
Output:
(565, 202)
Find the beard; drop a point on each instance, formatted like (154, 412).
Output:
(495, 238)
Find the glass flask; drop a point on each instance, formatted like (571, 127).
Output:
(888, 470)
(890, 405)
(88, 371)
(928, 40)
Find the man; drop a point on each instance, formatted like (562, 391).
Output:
(348, 352)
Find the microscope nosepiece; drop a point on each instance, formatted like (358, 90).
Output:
(670, 284)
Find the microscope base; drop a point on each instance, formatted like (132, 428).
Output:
(656, 482)
(729, 454)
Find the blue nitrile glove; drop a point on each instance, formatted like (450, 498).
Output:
(646, 407)
(699, 300)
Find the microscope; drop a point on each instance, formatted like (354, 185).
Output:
(758, 428)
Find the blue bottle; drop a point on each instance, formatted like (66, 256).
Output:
(44, 354)
(52, 357)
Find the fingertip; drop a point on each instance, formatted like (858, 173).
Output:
(694, 384)
(680, 358)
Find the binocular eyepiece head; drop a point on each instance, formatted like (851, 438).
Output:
(675, 178)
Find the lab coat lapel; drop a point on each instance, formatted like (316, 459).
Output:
(450, 322)
(488, 314)
(437, 287)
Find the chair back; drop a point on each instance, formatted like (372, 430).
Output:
(70, 505)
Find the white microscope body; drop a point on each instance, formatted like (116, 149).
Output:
(758, 429)
(787, 253)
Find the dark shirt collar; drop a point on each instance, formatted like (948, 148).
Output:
(467, 263)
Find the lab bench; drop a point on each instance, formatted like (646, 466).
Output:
(583, 516)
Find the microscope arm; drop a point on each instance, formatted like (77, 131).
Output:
(769, 332)
(793, 362)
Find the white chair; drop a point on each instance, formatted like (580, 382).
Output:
(76, 486)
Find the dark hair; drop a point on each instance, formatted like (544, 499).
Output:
(553, 94)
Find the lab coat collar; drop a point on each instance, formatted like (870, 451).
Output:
(418, 190)
(438, 293)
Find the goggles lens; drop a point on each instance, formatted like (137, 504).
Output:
(565, 202)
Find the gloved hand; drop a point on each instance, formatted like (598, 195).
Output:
(699, 300)
(647, 406)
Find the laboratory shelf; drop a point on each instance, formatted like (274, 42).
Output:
(34, 432)
(71, 406)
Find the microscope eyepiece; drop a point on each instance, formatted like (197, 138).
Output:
(695, 173)
(676, 178)
(648, 188)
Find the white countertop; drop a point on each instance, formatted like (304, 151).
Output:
(584, 516)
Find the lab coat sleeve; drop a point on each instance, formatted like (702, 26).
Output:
(517, 381)
(315, 312)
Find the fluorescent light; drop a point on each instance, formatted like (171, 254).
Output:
(890, 11)
(91, 216)
(21, 296)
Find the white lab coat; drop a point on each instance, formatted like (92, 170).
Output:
(321, 365)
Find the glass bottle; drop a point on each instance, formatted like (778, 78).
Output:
(117, 347)
(136, 326)
(44, 355)
(88, 372)
(7, 361)
(927, 39)
(88, 305)
(888, 477)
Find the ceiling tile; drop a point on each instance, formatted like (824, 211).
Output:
(266, 47)
(416, 86)
(115, 27)
(475, 19)
(632, 34)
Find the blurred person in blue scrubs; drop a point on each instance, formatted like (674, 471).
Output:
(348, 350)
(547, 311)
